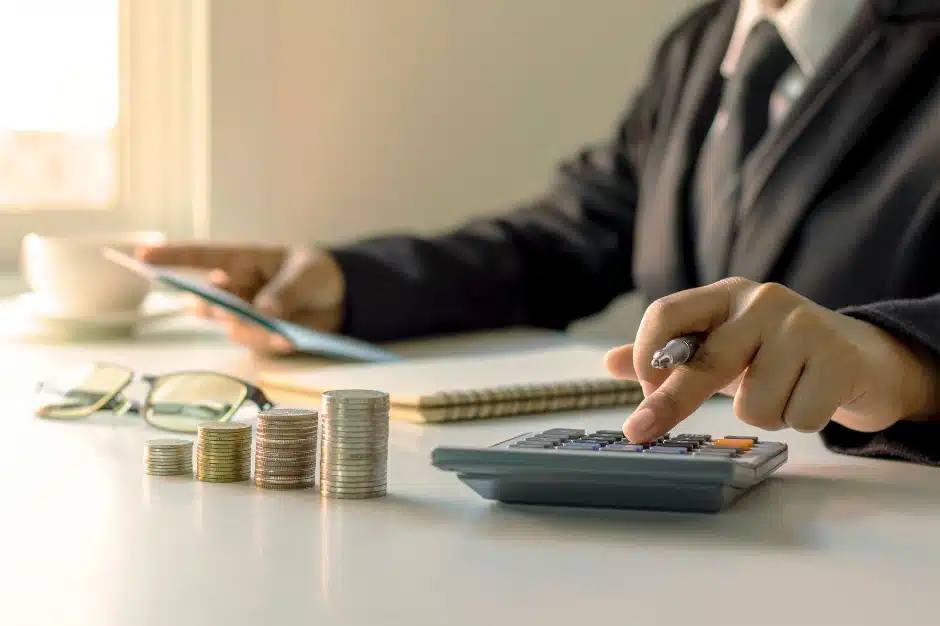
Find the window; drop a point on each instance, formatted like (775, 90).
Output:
(59, 66)
(99, 112)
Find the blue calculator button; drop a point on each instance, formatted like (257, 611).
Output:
(580, 445)
(624, 447)
(668, 450)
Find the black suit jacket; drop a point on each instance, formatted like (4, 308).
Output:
(841, 203)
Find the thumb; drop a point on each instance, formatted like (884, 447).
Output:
(619, 362)
(301, 283)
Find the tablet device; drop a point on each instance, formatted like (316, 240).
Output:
(303, 339)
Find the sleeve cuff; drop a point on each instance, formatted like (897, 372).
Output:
(913, 322)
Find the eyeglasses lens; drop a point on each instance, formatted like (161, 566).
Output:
(81, 390)
(180, 402)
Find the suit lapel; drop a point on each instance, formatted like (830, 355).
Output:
(663, 258)
(782, 179)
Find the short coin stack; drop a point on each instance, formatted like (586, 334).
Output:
(354, 444)
(169, 457)
(223, 452)
(286, 449)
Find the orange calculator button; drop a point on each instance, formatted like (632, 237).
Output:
(742, 444)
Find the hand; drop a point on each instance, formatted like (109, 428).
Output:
(787, 361)
(302, 285)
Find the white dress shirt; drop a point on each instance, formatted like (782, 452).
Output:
(811, 30)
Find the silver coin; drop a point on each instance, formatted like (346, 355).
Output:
(285, 486)
(357, 431)
(374, 483)
(353, 465)
(332, 485)
(287, 414)
(267, 482)
(169, 444)
(346, 395)
(354, 472)
(332, 491)
(284, 458)
(236, 427)
(275, 461)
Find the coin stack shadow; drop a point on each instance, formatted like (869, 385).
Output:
(286, 449)
(223, 452)
(169, 457)
(354, 444)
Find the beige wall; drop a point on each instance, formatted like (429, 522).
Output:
(335, 119)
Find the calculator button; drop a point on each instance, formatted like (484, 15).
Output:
(668, 450)
(592, 440)
(615, 434)
(694, 437)
(553, 440)
(579, 445)
(692, 442)
(741, 444)
(569, 432)
(624, 447)
(685, 445)
(723, 449)
(728, 453)
(532, 444)
(751, 439)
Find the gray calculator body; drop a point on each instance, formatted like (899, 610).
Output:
(568, 467)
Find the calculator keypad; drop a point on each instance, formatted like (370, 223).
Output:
(745, 448)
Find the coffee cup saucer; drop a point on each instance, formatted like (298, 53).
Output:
(27, 314)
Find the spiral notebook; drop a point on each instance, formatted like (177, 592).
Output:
(436, 389)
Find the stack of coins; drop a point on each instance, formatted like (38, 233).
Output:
(286, 449)
(169, 457)
(223, 452)
(354, 444)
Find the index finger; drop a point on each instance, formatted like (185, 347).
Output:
(720, 360)
(207, 255)
(697, 310)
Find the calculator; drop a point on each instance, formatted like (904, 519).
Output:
(573, 467)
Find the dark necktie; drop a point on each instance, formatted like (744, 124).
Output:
(743, 120)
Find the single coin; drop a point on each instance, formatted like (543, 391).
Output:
(285, 487)
(169, 443)
(325, 489)
(287, 413)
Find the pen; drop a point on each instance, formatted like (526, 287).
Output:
(676, 352)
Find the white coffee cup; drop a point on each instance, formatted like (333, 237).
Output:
(71, 276)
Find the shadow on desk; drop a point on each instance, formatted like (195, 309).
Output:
(855, 508)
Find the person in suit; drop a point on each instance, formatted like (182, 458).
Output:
(774, 183)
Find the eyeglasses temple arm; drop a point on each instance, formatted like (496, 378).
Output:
(257, 396)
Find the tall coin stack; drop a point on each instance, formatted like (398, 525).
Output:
(223, 452)
(169, 457)
(354, 444)
(286, 449)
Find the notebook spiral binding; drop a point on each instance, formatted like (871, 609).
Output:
(522, 399)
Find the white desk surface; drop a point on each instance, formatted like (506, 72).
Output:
(86, 538)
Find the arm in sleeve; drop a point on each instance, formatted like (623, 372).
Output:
(564, 256)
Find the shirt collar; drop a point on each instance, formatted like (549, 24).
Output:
(810, 28)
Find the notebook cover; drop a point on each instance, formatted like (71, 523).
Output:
(566, 377)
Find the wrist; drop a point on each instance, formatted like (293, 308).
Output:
(919, 380)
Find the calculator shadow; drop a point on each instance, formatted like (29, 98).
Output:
(784, 512)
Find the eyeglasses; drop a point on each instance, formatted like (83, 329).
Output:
(177, 401)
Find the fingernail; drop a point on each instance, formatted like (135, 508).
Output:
(642, 422)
